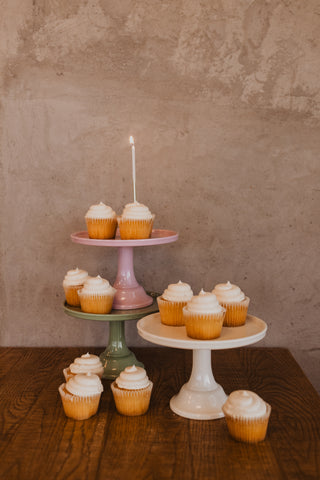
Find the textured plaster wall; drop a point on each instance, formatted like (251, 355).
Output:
(223, 100)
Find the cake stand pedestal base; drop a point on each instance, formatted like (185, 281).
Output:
(117, 356)
(129, 294)
(201, 398)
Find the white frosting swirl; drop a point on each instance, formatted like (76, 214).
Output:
(100, 211)
(84, 385)
(243, 403)
(97, 286)
(75, 277)
(205, 302)
(178, 292)
(229, 293)
(87, 363)
(133, 378)
(136, 211)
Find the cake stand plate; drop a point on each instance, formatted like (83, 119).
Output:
(201, 398)
(130, 295)
(117, 356)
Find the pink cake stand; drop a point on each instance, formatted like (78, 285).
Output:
(130, 294)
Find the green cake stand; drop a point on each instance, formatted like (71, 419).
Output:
(117, 356)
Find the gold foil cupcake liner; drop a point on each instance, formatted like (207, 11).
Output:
(236, 313)
(135, 229)
(171, 312)
(76, 407)
(131, 402)
(203, 326)
(249, 430)
(96, 303)
(101, 228)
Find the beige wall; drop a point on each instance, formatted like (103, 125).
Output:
(223, 99)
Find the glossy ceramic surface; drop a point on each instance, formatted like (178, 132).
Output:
(117, 356)
(130, 294)
(201, 398)
(158, 237)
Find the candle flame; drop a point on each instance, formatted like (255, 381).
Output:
(131, 140)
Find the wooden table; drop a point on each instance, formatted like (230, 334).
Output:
(37, 441)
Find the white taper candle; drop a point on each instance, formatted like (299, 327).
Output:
(133, 155)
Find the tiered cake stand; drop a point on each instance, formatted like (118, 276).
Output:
(131, 302)
(201, 398)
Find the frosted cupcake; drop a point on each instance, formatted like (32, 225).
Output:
(80, 396)
(96, 296)
(172, 301)
(74, 281)
(101, 221)
(203, 316)
(247, 416)
(87, 363)
(132, 391)
(135, 222)
(234, 301)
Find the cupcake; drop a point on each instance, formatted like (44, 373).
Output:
(80, 396)
(234, 301)
(203, 316)
(132, 391)
(172, 301)
(101, 221)
(247, 416)
(96, 296)
(74, 281)
(135, 222)
(87, 363)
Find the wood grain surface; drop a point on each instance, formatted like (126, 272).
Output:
(37, 441)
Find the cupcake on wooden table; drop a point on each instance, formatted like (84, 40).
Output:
(203, 316)
(101, 221)
(172, 301)
(87, 363)
(74, 281)
(135, 222)
(80, 396)
(132, 391)
(97, 296)
(234, 301)
(247, 416)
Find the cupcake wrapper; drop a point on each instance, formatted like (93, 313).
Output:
(79, 408)
(101, 228)
(203, 326)
(131, 402)
(171, 312)
(249, 430)
(71, 293)
(236, 313)
(96, 303)
(135, 229)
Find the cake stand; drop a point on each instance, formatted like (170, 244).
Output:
(117, 356)
(201, 398)
(130, 294)
(131, 302)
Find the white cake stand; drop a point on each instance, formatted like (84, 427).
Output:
(201, 398)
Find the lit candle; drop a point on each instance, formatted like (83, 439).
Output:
(133, 155)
